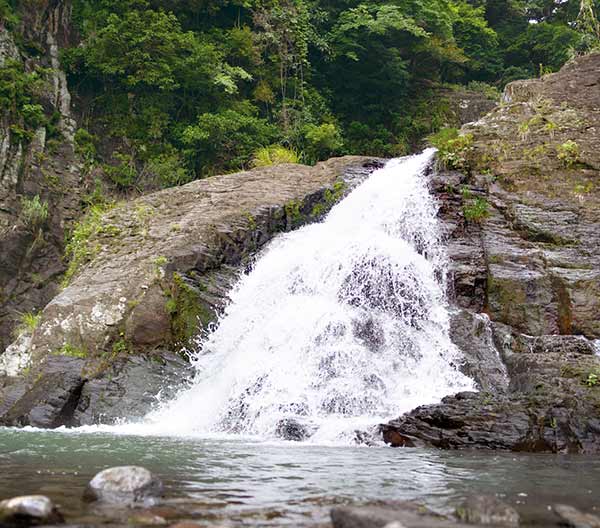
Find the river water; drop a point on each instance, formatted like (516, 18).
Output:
(230, 480)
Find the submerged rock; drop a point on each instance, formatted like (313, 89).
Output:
(393, 515)
(574, 518)
(124, 485)
(29, 510)
(487, 510)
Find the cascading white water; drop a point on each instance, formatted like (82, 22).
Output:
(340, 324)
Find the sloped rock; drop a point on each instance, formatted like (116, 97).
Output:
(163, 268)
(473, 334)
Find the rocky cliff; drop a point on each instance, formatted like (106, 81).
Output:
(522, 219)
(38, 165)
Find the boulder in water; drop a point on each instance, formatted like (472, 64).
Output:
(487, 510)
(124, 485)
(29, 510)
(292, 429)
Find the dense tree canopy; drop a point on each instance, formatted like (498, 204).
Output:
(192, 87)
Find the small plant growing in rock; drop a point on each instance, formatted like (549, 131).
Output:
(592, 379)
(476, 210)
(455, 151)
(69, 350)
(34, 212)
(28, 323)
(568, 153)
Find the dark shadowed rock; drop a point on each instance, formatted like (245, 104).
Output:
(291, 429)
(124, 485)
(29, 510)
(574, 518)
(487, 510)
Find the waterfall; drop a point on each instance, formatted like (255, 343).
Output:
(339, 326)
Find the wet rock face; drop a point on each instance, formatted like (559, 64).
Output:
(124, 485)
(291, 429)
(525, 276)
(31, 258)
(29, 510)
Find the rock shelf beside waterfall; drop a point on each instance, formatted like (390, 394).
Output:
(532, 265)
(162, 268)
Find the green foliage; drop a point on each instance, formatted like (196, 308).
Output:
(568, 153)
(185, 89)
(226, 139)
(123, 173)
(7, 15)
(19, 94)
(490, 91)
(168, 169)
(69, 350)
(592, 379)
(475, 209)
(34, 213)
(82, 246)
(274, 155)
(322, 141)
(28, 323)
(85, 145)
(454, 150)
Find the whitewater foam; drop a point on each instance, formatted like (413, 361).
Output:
(339, 326)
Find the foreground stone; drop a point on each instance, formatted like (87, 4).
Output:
(487, 510)
(574, 518)
(29, 510)
(125, 485)
(394, 515)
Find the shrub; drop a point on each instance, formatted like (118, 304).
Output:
(124, 173)
(475, 209)
(168, 170)
(321, 141)
(568, 153)
(490, 91)
(455, 151)
(85, 145)
(274, 155)
(34, 212)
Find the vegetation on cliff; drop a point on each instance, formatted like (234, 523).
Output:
(174, 91)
